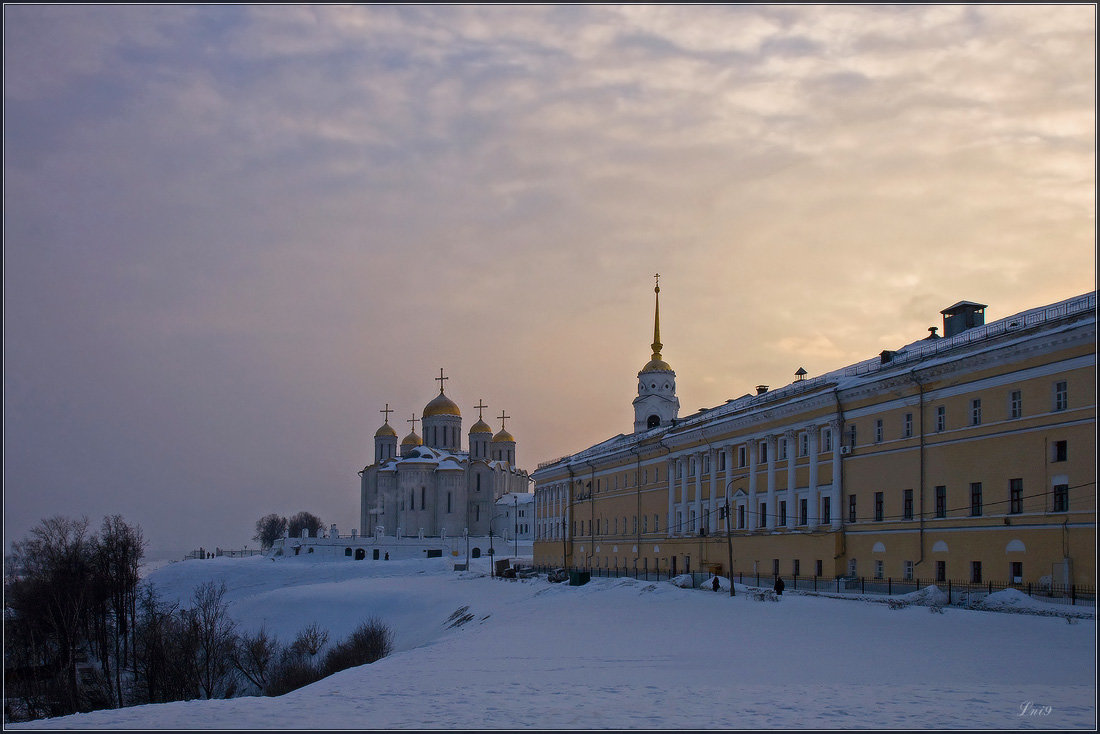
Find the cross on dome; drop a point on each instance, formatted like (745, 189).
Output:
(480, 406)
(440, 380)
(414, 420)
(502, 417)
(387, 411)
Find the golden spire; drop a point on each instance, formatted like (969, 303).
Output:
(656, 364)
(657, 318)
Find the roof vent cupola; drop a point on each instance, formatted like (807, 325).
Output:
(962, 316)
(656, 404)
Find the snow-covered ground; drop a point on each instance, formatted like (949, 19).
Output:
(619, 654)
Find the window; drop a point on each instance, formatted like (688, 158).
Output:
(907, 430)
(1015, 496)
(878, 506)
(721, 461)
(645, 523)
(783, 513)
(795, 567)
(802, 509)
(975, 572)
(635, 524)
(691, 527)
(817, 568)
(803, 444)
(852, 436)
(1061, 395)
(740, 456)
(851, 567)
(763, 452)
(1060, 450)
(1015, 404)
(941, 501)
(941, 571)
(1016, 570)
(782, 449)
(826, 509)
(941, 419)
(478, 483)
(706, 464)
(827, 441)
(878, 430)
(656, 525)
(1061, 498)
(448, 502)
(907, 504)
(908, 571)
(851, 508)
(975, 499)
(878, 569)
(422, 498)
(763, 519)
(691, 468)
(741, 516)
(976, 412)
(775, 567)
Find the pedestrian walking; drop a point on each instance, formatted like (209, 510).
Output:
(779, 585)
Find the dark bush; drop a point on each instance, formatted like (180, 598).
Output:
(372, 641)
(290, 673)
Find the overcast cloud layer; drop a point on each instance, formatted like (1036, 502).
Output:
(233, 234)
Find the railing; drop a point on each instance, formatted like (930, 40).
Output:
(959, 592)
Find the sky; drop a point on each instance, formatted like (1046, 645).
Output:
(478, 654)
(234, 233)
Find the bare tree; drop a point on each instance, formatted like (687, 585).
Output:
(47, 595)
(254, 656)
(269, 528)
(215, 638)
(304, 520)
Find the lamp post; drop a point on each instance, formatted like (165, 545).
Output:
(515, 535)
(729, 541)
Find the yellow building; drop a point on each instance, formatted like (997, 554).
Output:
(968, 457)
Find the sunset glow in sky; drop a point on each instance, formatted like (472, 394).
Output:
(232, 234)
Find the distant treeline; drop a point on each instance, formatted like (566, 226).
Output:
(82, 632)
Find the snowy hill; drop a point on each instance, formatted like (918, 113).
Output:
(620, 653)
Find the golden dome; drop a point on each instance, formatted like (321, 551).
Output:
(385, 430)
(503, 436)
(441, 405)
(480, 427)
(657, 365)
(412, 440)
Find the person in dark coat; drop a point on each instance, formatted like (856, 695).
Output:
(779, 586)
(716, 583)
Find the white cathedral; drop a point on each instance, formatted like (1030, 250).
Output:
(433, 488)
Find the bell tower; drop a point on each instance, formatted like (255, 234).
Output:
(656, 404)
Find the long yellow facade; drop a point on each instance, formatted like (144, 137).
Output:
(968, 458)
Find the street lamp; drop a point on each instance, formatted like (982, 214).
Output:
(515, 518)
(729, 542)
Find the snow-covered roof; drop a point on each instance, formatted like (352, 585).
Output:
(926, 352)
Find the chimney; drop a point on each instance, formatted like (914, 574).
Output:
(962, 316)
(761, 389)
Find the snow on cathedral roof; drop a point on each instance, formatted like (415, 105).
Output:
(441, 460)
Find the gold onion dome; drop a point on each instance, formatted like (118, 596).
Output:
(480, 427)
(503, 436)
(385, 430)
(441, 405)
(412, 440)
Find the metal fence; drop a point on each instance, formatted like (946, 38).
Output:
(958, 591)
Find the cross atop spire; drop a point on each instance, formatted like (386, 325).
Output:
(440, 379)
(480, 406)
(414, 420)
(387, 411)
(502, 417)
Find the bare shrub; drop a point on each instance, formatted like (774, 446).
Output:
(371, 641)
(310, 640)
(292, 671)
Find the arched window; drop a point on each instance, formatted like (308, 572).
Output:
(653, 421)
